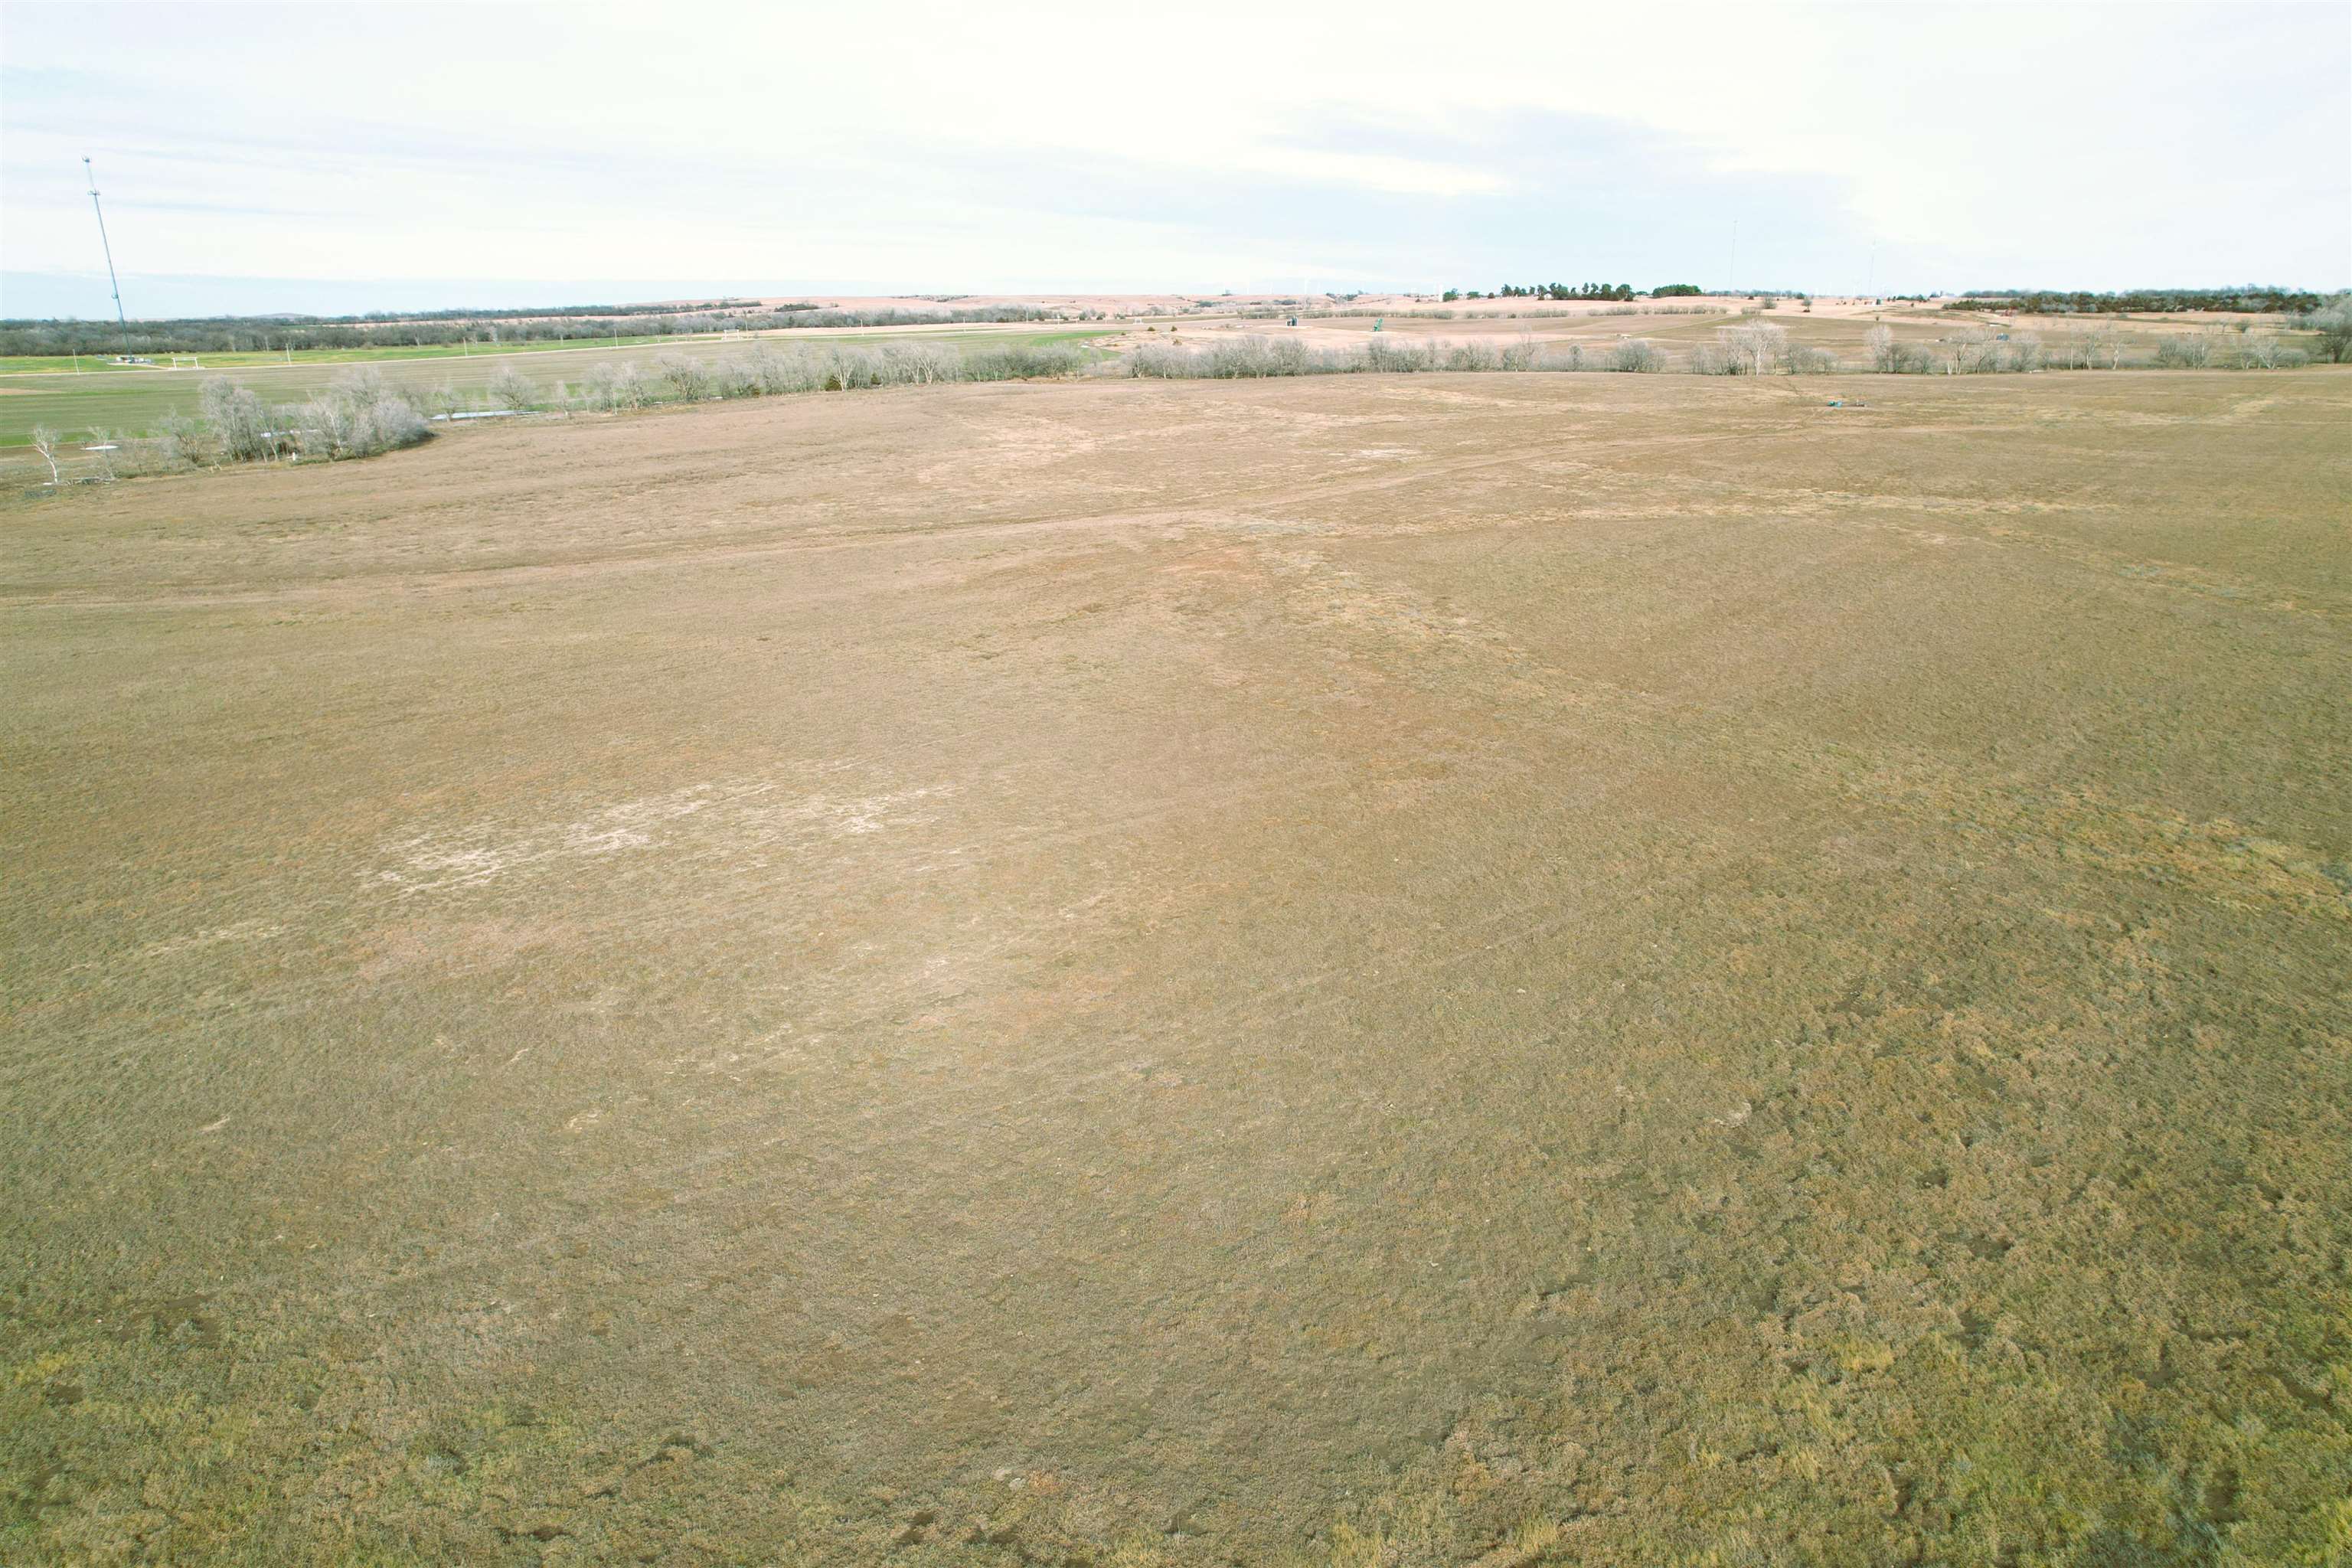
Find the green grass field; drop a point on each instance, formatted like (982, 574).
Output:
(132, 402)
(86, 364)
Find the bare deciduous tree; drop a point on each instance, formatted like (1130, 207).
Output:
(45, 442)
(690, 376)
(358, 417)
(178, 441)
(1886, 354)
(1712, 359)
(2190, 351)
(1972, 351)
(1754, 345)
(510, 388)
(2333, 323)
(238, 421)
(2257, 351)
(616, 386)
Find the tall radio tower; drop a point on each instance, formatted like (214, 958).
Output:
(112, 281)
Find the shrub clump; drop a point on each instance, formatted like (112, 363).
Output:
(1975, 351)
(1637, 355)
(2333, 323)
(513, 389)
(2190, 352)
(236, 420)
(767, 372)
(358, 416)
(1232, 359)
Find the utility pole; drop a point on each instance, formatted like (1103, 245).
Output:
(1733, 282)
(112, 281)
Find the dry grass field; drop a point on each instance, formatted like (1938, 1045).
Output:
(1675, 325)
(1589, 969)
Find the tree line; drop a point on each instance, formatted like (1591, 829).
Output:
(576, 323)
(270, 333)
(1548, 291)
(2251, 297)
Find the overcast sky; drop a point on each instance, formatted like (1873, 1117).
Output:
(338, 158)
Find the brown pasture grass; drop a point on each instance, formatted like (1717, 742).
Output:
(1374, 969)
